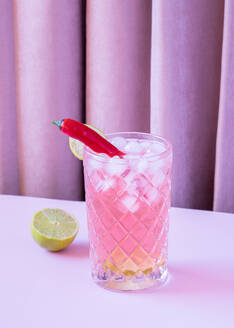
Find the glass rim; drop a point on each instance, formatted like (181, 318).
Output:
(152, 157)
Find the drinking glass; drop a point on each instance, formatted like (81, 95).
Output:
(127, 211)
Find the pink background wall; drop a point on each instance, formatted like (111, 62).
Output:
(159, 66)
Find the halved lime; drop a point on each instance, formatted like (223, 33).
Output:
(77, 147)
(53, 228)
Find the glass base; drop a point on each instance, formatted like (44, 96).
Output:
(157, 278)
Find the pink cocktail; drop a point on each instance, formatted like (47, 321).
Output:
(127, 208)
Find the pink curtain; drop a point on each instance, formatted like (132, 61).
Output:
(165, 67)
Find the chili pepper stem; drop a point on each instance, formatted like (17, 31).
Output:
(58, 123)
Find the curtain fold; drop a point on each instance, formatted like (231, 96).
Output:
(186, 61)
(9, 182)
(165, 67)
(49, 86)
(224, 175)
(118, 64)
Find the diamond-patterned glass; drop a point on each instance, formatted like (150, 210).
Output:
(128, 223)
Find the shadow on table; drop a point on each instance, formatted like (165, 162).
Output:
(196, 279)
(76, 250)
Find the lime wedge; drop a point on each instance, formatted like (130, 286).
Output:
(53, 228)
(77, 147)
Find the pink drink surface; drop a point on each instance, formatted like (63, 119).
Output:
(127, 206)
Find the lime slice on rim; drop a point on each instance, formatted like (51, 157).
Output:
(53, 228)
(77, 147)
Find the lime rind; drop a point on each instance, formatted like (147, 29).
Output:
(54, 229)
(77, 147)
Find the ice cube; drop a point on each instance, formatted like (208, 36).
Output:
(105, 156)
(130, 157)
(142, 165)
(155, 166)
(93, 165)
(133, 147)
(119, 142)
(157, 148)
(96, 179)
(133, 188)
(158, 178)
(130, 202)
(115, 166)
(105, 185)
(146, 145)
(142, 183)
(128, 176)
(152, 195)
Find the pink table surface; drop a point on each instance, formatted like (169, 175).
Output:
(43, 289)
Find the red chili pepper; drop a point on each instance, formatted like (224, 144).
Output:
(88, 136)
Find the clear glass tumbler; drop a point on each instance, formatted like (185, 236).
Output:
(127, 210)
